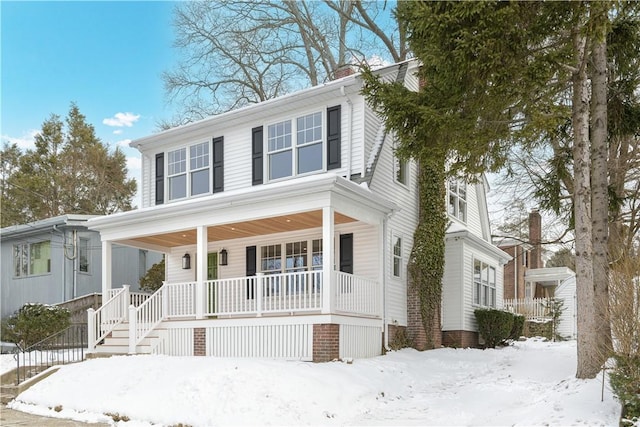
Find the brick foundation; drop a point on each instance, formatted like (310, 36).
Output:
(415, 331)
(460, 339)
(326, 342)
(199, 342)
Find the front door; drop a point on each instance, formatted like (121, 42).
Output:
(212, 274)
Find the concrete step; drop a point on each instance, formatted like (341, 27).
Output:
(121, 349)
(124, 341)
(124, 333)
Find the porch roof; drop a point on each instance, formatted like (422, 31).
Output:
(283, 206)
(548, 276)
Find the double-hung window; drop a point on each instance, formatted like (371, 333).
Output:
(457, 200)
(397, 256)
(484, 281)
(292, 257)
(294, 147)
(31, 259)
(188, 176)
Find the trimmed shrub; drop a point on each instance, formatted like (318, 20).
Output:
(517, 328)
(625, 382)
(494, 325)
(34, 322)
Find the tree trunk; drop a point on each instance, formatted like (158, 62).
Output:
(599, 179)
(588, 361)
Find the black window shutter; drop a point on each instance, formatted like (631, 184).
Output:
(256, 155)
(218, 164)
(346, 253)
(159, 178)
(251, 259)
(333, 138)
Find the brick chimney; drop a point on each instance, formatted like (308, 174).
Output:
(343, 71)
(535, 239)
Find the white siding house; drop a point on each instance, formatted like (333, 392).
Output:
(287, 227)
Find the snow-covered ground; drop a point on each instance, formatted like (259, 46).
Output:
(528, 383)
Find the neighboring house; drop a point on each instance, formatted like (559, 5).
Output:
(287, 227)
(58, 259)
(528, 284)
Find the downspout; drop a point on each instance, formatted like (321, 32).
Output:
(350, 131)
(75, 263)
(515, 273)
(385, 324)
(64, 263)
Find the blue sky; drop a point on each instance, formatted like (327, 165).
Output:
(107, 57)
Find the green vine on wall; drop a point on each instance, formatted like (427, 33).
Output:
(426, 265)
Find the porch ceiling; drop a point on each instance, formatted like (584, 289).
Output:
(293, 222)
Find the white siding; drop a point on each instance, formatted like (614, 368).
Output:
(567, 293)
(365, 244)
(402, 223)
(453, 285)
(358, 341)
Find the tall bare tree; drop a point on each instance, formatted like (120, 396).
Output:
(237, 52)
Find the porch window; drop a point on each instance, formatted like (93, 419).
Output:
(188, 178)
(484, 280)
(305, 135)
(290, 258)
(83, 255)
(397, 256)
(457, 200)
(31, 259)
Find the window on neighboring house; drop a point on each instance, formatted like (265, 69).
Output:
(31, 259)
(457, 203)
(307, 157)
(188, 178)
(83, 255)
(525, 258)
(397, 256)
(484, 281)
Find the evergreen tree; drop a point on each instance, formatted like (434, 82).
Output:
(69, 171)
(499, 73)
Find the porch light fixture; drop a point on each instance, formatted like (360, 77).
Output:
(186, 261)
(224, 257)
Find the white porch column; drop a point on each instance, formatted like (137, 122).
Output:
(106, 269)
(328, 260)
(201, 269)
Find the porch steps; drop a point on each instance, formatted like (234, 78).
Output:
(117, 342)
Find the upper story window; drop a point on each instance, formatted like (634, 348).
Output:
(294, 147)
(484, 284)
(188, 176)
(30, 259)
(401, 171)
(457, 199)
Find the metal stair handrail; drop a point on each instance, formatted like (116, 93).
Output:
(61, 348)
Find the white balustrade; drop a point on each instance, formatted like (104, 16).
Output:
(145, 318)
(102, 321)
(355, 294)
(530, 308)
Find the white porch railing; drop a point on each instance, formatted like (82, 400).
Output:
(356, 294)
(146, 317)
(531, 308)
(296, 292)
(102, 321)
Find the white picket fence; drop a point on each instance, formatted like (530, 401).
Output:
(530, 308)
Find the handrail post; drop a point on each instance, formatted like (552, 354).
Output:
(259, 287)
(91, 329)
(199, 299)
(165, 301)
(132, 329)
(125, 300)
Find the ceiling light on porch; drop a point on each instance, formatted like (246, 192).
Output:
(288, 220)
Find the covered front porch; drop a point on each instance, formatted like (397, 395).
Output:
(310, 247)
